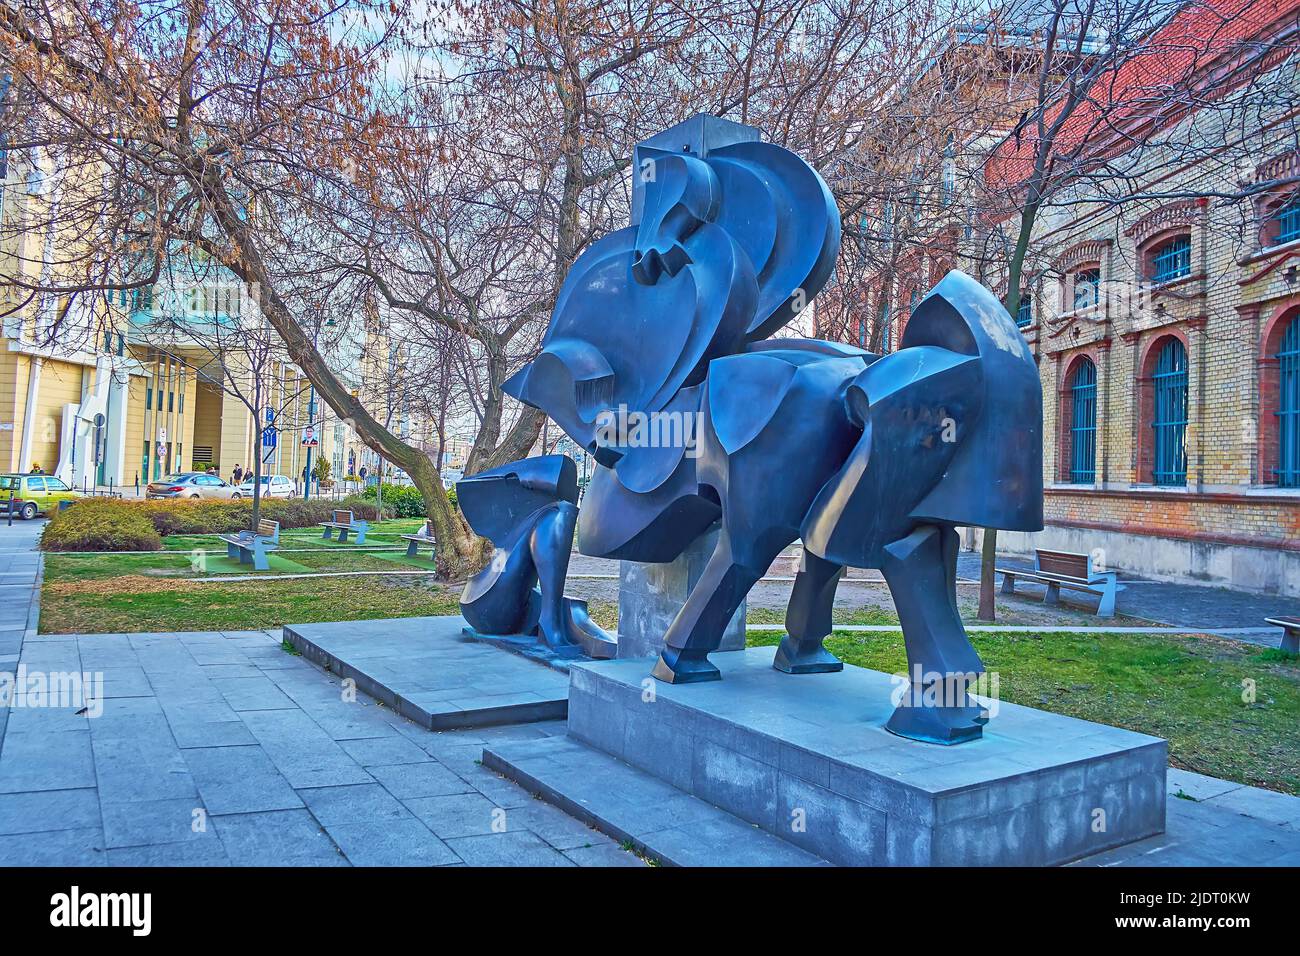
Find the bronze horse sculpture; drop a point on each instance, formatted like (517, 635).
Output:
(870, 460)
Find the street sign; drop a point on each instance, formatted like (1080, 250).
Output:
(270, 415)
(268, 437)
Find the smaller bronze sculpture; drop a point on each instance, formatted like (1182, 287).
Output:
(528, 509)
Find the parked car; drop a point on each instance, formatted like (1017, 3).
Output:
(193, 484)
(273, 486)
(33, 494)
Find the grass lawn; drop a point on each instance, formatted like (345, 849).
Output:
(1189, 690)
(138, 602)
(114, 593)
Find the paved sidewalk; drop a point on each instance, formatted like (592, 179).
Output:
(20, 565)
(1195, 606)
(221, 748)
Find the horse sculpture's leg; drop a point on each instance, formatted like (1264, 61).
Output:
(808, 619)
(697, 629)
(921, 570)
(549, 543)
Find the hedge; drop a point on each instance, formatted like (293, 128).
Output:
(90, 526)
(106, 524)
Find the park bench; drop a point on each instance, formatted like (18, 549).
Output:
(344, 522)
(1065, 569)
(422, 537)
(250, 547)
(1290, 632)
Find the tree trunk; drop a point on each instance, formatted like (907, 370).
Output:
(458, 551)
(988, 557)
(1015, 271)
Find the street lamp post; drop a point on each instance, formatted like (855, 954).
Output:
(311, 417)
(311, 414)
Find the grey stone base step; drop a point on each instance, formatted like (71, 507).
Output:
(632, 806)
(427, 670)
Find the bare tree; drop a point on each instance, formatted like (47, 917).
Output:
(1114, 81)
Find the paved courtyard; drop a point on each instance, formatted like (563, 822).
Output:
(222, 748)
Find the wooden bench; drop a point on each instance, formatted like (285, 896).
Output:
(422, 537)
(1065, 569)
(1290, 632)
(344, 522)
(250, 547)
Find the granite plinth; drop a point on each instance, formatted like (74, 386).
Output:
(426, 669)
(650, 595)
(807, 758)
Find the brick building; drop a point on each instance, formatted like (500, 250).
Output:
(1167, 328)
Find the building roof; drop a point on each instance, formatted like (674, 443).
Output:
(1206, 41)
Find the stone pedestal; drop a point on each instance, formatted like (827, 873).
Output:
(807, 759)
(650, 595)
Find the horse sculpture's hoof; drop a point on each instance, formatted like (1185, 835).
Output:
(791, 659)
(676, 667)
(937, 724)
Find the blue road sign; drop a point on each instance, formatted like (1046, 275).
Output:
(268, 437)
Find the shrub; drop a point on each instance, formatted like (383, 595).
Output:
(100, 525)
(162, 518)
(400, 501)
(405, 501)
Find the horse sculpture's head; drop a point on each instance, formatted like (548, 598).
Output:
(681, 196)
(717, 257)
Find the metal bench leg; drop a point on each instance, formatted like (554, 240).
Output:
(361, 536)
(1053, 595)
(259, 560)
(326, 535)
(343, 535)
(1008, 583)
(1107, 606)
(411, 548)
(1291, 640)
(232, 550)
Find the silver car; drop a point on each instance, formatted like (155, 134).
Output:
(273, 486)
(193, 484)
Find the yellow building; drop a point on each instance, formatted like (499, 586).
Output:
(113, 392)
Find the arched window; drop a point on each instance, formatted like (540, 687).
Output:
(1288, 221)
(1086, 288)
(1025, 310)
(1288, 407)
(1169, 415)
(1280, 221)
(1083, 423)
(949, 170)
(1171, 259)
